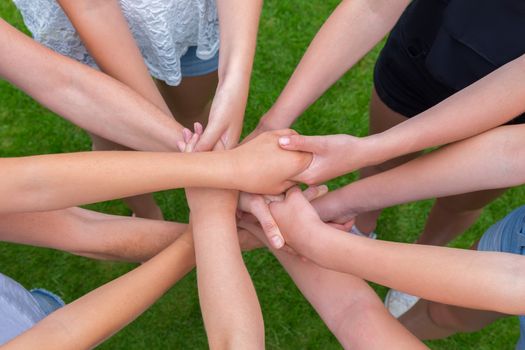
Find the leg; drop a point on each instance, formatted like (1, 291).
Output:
(92, 234)
(381, 118)
(144, 205)
(190, 102)
(431, 320)
(451, 216)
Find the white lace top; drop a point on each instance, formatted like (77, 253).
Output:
(163, 30)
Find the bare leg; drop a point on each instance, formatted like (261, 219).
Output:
(190, 102)
(431, 320)
(144, 205)
(381, 118)
(92, 234)
(450, 216)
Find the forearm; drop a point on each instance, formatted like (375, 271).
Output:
(231, 312)
(344, 302)
(349, 33)
(58, 181)
(452, 276)
(91, 234)
(105, 33)
(494, 159)
(84, 96)
(96, 316)
(486, 104)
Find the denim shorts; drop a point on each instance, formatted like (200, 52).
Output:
(192, 66)
(21, 309)
(508, 236)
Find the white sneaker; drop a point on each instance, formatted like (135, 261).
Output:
(358, 232)
(398, 302)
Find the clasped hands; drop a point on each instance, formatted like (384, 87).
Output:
(266, 165)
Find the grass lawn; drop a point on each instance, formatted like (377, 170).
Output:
(174, 322)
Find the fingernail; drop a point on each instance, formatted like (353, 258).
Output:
(322, 188)
(283, 141)
(277, 241)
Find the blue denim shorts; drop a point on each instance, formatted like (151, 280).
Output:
(192, 66)
(508, 236)
(21, 309)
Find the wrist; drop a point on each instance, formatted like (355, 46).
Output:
(370, 150)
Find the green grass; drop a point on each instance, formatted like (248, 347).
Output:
(174, 322)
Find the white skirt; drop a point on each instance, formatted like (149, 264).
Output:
(163, 30)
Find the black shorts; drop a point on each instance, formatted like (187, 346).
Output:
(439, 47)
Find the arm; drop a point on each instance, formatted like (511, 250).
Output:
(451, 276)
(344, 302)
(486, 104)
(88, 321)
(349, 33)
(91, 234)
(231, 312)
(239, 21)
(84, 96)
(494, 159)
(57, 181)
(105, 33)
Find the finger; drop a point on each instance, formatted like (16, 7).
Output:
(349, 224)
(300, 143)
(268, 198)
(268, 224)
(314, 192)
(190, 146)
(197, 127)
(186, 133)
(209, 138)
(338, 226)
(181, 145)
(292, 191)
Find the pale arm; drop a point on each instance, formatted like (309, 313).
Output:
(90, 320)
(57, 181)
(239, 22)
(84, 96)
(106, 34)
(494, 159)
(91, 234)
(231, 312)
(452, 276)
(344, 302)
(349, 33)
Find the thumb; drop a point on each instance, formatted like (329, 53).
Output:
(209, 138)
(299, 143)
(262, 212)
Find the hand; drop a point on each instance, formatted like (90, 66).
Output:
(247, 223)
(336, 207)
(225, 120)
(333, 155)
(297, 220)
(257, 205)
(261, 166)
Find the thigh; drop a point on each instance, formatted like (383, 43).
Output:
(381, 119)
(190, 101)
